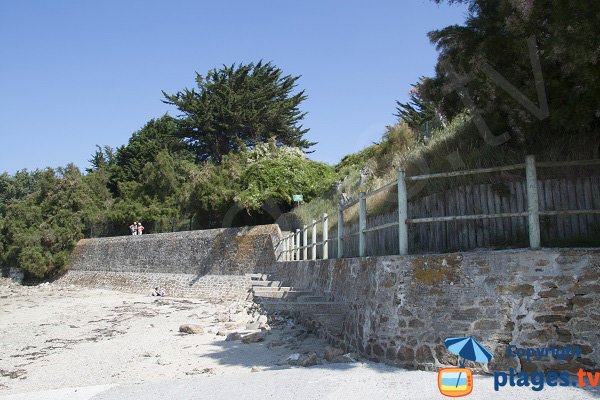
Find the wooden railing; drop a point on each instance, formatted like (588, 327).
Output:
(296, 245)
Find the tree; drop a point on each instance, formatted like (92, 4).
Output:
(157, 135)
(156, 197)
(102, 158)
(40, 229)
(495, 36)
(253, 180)
(276, 180)
(238, 107)
(419, 113)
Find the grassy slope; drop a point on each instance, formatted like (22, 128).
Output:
(458, 146)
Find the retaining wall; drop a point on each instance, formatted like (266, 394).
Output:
(403, 307)
(206, 264)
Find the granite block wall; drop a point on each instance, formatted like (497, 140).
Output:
(403, 307)
(216, 288)
(207, 264)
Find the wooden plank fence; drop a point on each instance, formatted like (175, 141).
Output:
(466, 218)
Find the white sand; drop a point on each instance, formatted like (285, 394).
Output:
(68, 343)
(53, 337)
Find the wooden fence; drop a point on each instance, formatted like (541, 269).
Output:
(562, 211)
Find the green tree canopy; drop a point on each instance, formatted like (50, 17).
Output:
(157, 135)
(253, 179)
(238, 107)
(495, 36)
(38, 231)
(419, 113)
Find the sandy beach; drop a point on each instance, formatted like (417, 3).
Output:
(75, 343)
(53, 337)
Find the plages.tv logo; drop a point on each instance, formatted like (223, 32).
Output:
(458, 381)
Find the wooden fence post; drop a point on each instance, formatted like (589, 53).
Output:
(305, 242)
(314, 239)
(297, 247)
(362, 224)
(533, 207)
(325, 236)
(340, 231)
(402, 214)
(284, 249)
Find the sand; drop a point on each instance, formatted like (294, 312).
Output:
(54, 337)
(88, 344)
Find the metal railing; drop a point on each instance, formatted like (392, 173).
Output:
(292, 244)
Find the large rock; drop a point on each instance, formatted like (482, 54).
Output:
(303, 360)
(233, 336)
(332, 352)
(252, 325)
(191, 329)
(345, 358)
(254, 337)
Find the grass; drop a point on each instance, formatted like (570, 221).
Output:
(457, 146)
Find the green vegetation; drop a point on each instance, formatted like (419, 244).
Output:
(233, 157)
(497, 37)
(240, 107)
(438, 130)
(235, 153)
(45, 214)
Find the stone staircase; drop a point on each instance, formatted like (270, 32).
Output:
(324, 317)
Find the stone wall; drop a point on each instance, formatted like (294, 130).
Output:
(216, 288)
(208, 264)
(403, 307)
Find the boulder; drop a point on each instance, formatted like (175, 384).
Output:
(345, 358)
(252, 325)
(254, 337)
(233, 336)
(262, 319)
(332, 352)
(264, 327)
(191, 329)
(304, 360)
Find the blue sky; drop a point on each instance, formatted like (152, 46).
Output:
(74, 74)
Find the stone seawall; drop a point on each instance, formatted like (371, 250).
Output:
(216, 288)
(403, 307)
(206, 264)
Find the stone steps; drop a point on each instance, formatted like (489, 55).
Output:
(332, 322)
(260, 288)
(265, 283)
(311, 309)
(258, 277)
(278, 294)
(311, 297)
(305, 307)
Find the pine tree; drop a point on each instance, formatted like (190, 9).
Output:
(238, 107)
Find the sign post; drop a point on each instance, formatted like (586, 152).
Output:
(298, 198)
